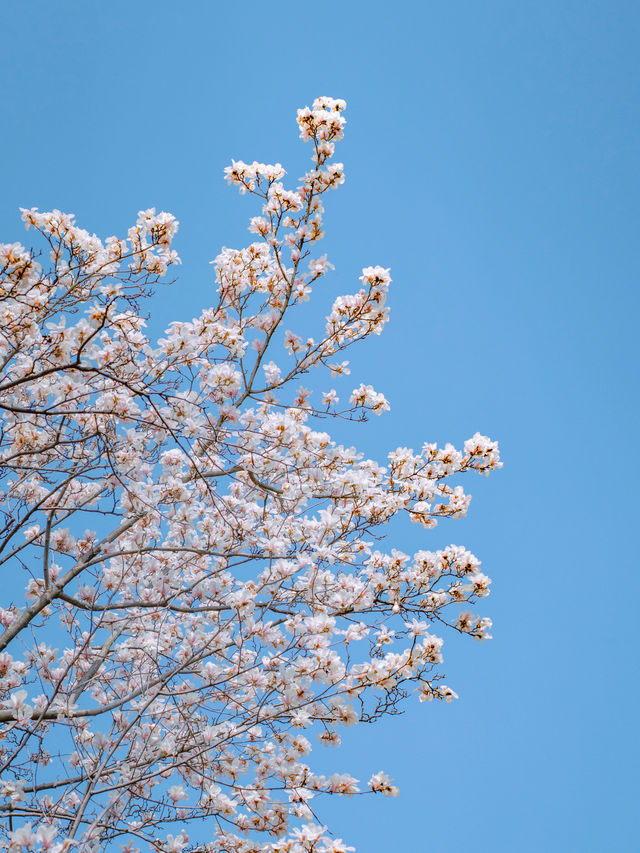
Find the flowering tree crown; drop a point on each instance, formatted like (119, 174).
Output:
(201, 590)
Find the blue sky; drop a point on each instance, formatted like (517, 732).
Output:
(491, 157)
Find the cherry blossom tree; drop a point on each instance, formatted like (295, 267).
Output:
(196, 585)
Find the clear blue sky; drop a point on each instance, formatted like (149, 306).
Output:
(492, 163)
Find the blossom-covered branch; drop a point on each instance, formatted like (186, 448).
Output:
(195, 594)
